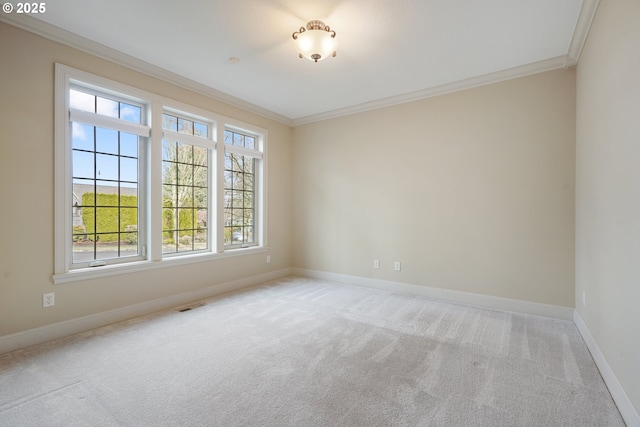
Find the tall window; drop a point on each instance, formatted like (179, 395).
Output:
(241, 155)
(185, 185)
(142, 181)
(105, 159)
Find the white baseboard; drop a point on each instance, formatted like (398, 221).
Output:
(628, 412)
(625, 406)
(82, 324)
(485, 301)
(73, 326)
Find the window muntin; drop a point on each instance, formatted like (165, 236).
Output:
(240, 160)
(109, 120)
(239, 139)
(103, 105)
(105, 166)
(239, 195)
(185, 187)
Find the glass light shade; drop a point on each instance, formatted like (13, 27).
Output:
(315, 45)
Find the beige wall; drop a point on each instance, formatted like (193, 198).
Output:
(484, 207)
(608, 189)
(26, 193)
(471, 191)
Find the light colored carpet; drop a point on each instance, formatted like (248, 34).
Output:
(303, 352)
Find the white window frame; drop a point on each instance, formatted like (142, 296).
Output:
(209, 143)
(151, 201)
(258, 155)
(120, 125)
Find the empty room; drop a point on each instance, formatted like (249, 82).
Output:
(319, 213)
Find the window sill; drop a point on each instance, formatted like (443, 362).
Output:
(138, 266)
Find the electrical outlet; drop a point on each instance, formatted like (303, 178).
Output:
(584, 298)
(48, 300)
(376, 263)
(396, 266)
(268, 259)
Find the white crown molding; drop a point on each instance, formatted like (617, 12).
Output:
(51, 32)
(496, 77)
(581, 31)
(67, 38)
(578, 39)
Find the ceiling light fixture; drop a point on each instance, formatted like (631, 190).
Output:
(316, 42)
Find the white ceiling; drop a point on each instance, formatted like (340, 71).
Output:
(388, 50)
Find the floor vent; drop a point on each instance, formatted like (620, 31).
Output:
(189, 307)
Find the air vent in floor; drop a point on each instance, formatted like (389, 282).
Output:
(189, 307)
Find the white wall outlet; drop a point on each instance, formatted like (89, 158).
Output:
(48, 300)
(376, 263)
(268, 259)
(584, 298)
(396, 266)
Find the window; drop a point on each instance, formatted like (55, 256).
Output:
(239, 188)
(105, 165)
(141, 181)
(185, 188)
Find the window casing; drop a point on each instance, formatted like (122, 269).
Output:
(241, 163)
(185, 184)
(141, 181)
(106, 162)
